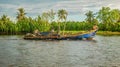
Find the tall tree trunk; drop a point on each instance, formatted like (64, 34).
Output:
(64, 28)
(58, 32)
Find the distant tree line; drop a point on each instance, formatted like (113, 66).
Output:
(106, 18)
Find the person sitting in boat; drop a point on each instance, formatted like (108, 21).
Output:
(52, 31)
(36, 32)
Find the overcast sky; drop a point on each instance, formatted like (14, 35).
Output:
(76, 8)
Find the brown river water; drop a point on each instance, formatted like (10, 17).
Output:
(104, 51)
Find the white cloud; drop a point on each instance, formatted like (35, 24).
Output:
(72, 6)
(8, 6)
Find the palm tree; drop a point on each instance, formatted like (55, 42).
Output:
(21, 14)
(5, 18)
(62, 16)
(48, 16)
(114, 15)
(103, 14)
(90, 16)
(6, 24)
(51, 15)
(45, 16)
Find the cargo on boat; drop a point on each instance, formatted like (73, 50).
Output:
(55, 36)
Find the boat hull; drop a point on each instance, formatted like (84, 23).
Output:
(88, 36)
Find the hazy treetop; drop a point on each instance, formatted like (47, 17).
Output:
(75, 8)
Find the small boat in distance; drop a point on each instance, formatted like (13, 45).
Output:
(55, 36)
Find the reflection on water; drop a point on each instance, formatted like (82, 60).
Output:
(101, 52)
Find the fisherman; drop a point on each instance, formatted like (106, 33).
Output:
(52, 31)
(36, 32)
(95, 27)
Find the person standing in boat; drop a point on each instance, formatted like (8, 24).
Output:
(95, 27)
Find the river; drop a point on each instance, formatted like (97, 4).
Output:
(104, 51)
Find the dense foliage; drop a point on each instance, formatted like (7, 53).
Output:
(106, 18)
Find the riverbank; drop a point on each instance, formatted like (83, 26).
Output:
(105, 33)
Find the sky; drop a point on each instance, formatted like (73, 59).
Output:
(76, 8)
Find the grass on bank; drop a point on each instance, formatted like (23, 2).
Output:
(105, 33)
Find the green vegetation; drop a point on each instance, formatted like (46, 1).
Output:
(62, 15)
(105, 33)
(106, 18)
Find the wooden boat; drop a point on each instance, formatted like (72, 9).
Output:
(51, 36)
